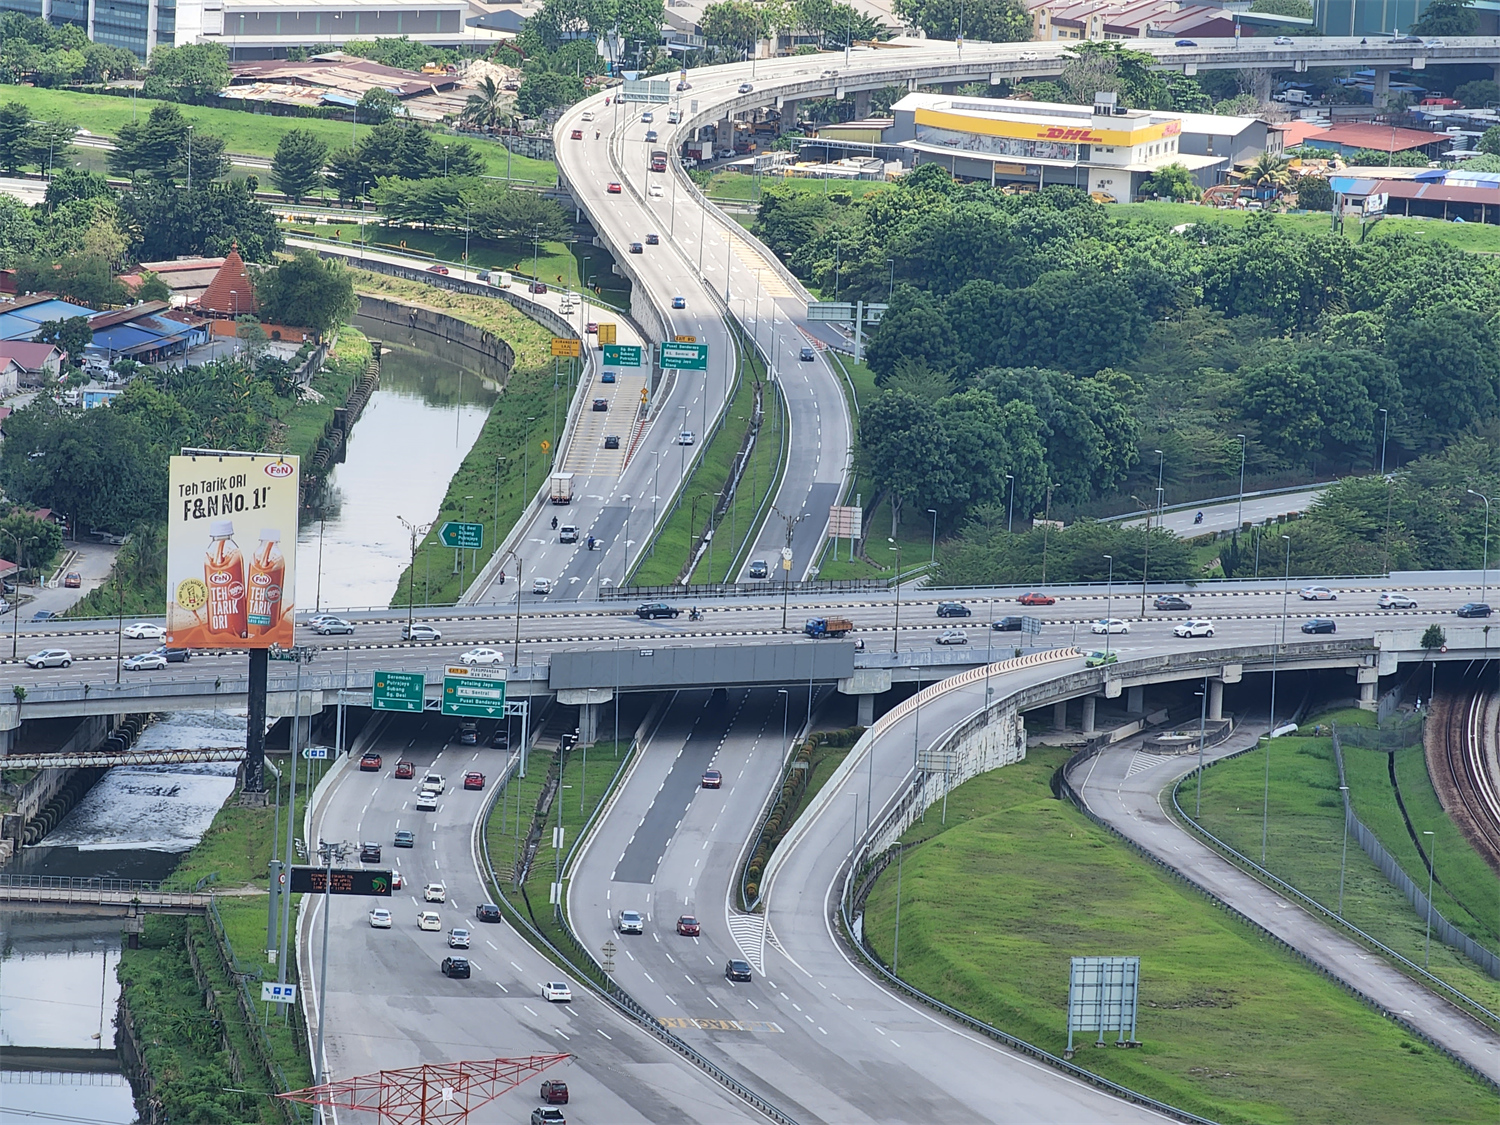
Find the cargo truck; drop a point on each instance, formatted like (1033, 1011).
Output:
(659, 160)
(827, 626)
(562, 488)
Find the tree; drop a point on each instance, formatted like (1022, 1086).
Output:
(193, 73)
(1171, 182)
(1379, 158)
(1446, 17)
(86, 278)
(152, 288)
(400, 52)
(159, 147)
(18, 231)
(16, 136)
(1319, 402)
(735, 24)
(486, 109)
(1241, 105)
(1297, 9)
(69, 184)
(378, 105)
(37, 540)
(913, 328)
(498, 211)
(72, 335)
(297, 167)
(1489, 142)
(166, 222)
(1479, 93)
(309, 293)
(1314, 194)
(1269, 171)
(903, 451)
(1448, 363)
(1433, 637)
(1106, 65)
(987, 21)
(547, 90)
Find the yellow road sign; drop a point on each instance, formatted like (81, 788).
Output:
(562, 346)
(685, 339)
(644, 394)
(606, 334)
(546, 445)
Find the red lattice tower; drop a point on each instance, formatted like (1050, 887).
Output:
(431, 1094)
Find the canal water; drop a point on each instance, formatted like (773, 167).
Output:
(58, 988)
(402, 453)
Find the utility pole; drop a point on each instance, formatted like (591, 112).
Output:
(786, 558)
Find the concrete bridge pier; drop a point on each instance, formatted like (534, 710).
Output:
(1215, 699)
(1369, 683)
(590, 703)
(1135, 700)
(1060, 715)
(1382, 92)
(1090, 702)
(861, 104)
(865, 685)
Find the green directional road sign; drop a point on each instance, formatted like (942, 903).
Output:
(684, 357)
(622, 355)
(398, 691)
(473, 692)
(469, 536)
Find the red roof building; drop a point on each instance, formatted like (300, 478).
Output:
(230, 293)
(1349, 139)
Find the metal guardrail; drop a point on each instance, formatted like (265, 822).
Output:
(611, 992)
(734, 589)
(67, 883)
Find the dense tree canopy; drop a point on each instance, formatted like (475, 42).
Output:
(297, 167)
(307, 292)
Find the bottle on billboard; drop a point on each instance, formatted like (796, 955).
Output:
(267, 579)
(224, 572)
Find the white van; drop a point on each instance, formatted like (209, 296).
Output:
(588, 115)
(500, 280)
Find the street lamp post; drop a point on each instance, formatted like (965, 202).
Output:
(1202, 727)
(1344, 857)
(1385, 429)
(1265, 812)
(1161, 463)
(1431, 869)
(1109, 598)
(1239, 519)
(891, 293)
(932, 559)
(1484, 575)
(1010, 519)
(896, 636)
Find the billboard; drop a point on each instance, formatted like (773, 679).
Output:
(231, 550)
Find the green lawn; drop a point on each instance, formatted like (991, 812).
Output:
(1231, 1027)
(248, 134)
(1479, 237)
(668, 551)
(1304, 841)
(915, 536)
(738, 186)
(574, 262)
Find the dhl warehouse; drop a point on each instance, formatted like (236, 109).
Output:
(1104, 148)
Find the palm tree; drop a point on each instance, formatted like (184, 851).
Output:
(1269, 171)
(484, 110)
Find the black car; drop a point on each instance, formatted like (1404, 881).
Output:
(487, 912)
(737, 970)
(953, 609)
(405, 838)
(652, 610)
(500, 739)
(1473, 609)
(468, 734)
(457, 967)
(1007, 625)
(653, 240)
(635, 248)
(175, 655)
(611, 441)
(806, 356)
(759, 569)
(1319, 625)
(1170, 601)
(369, 853)
(601, 404)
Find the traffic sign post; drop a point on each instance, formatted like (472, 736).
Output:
(472, 692)
(398, 691)
(314, 753)
(465, 536)
(622, 355)
(273, 993)
(566, 347)
(684, 357)
(341, 881)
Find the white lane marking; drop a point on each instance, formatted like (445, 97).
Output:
(752, 1003)
(601, 1032)
(710, 999)
(492, 945)
(668, 995)
(516, 967)
(648, 976)
(528, 1008)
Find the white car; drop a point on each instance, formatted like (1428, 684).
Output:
(631, 922)
(557, 992)
(429, 920)
(541, 586)
(145, 631)
(1317, 594)
(427, 801)
(435, 892)
(458, 939)
(1194, 627)
(482, 656)
(1113, 625)
(420, 632)
(685, 437)
(434, 781)
(954, 637)
(1282, 41)
(146, 662)
(50, 658)
(1389, 600)
(380, 918)
(745, 88)
(655, 191)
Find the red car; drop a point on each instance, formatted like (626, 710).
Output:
(613, 188)
(578, 134)
(713, 779)
(437, 269)
(537, 287)
(1036, 598)
(593, 328)
(555, 1092)
(405, 769)
(687, 926)
(370, 762)
(473, 780)
(73, 580)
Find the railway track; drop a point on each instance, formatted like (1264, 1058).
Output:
(1471, 768)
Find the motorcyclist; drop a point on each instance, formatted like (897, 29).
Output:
(695, 614)
(554, 523)
(592, 541)
(1198, 518)
(596, 134)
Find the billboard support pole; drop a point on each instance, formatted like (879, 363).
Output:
(255, 726)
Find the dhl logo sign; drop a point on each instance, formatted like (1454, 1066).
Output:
(1060, 133)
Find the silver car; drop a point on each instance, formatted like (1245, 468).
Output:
(145, 662)
(420, 632)
(50, 658)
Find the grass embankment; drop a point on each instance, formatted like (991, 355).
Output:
(571, 264)
(737, 186)
(583, 786)
(1231, 1027)
(299, 427)
(195, 1075)
(878, 559)
(520, 421)
(1305, 835)
(244, 133)
(1476, 237)
(669, 550)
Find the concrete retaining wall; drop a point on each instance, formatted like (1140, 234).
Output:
(487, 352)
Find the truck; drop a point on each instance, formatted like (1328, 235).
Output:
(1294, 96)
(562, 488)
(827, 626)
(658, 160)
